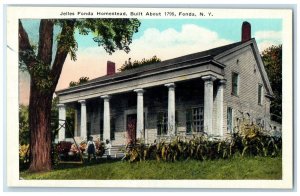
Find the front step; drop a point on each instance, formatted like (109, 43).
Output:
(115, 151)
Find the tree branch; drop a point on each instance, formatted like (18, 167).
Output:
(61, 52)
(26, 52)
(45, 41)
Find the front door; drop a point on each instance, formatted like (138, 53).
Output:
(131, 128)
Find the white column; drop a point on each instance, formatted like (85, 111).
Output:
(140, 113)
(208, 103)
(83, 131)
(220, 108)
(106, 118)
(171, 109)
(76, 123)
(61, 122)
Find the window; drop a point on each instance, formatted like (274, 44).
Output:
(195, 120)
(229, 119)
(260, 88)
(162, 123)
(235, 83)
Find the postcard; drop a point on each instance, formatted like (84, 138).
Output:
(116, 97)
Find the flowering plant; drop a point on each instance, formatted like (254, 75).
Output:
(64, 147)
(74, 148)
(100, 148)
(83, 146)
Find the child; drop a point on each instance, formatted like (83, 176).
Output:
(91, 150)
(108, 148)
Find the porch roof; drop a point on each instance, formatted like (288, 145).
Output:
(178, 63)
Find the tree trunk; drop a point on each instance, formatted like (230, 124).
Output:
(40, 129)
(42, 86)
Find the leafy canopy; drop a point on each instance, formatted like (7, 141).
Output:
(272, 58)
(131, 65)
(111, 34)
(81, 80)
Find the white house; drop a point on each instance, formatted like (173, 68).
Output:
(201, 92)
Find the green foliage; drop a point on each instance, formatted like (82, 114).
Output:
(248, 141)
(81, 80)
(111, 34)
(24, 152)
(40, 74)
(131, 65)
(272, 58)
(66, 39)
(24, 134)
(256, 143)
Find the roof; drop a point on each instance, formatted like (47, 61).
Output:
(206, 56)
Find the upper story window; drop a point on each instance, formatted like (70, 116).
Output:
(235, 84)
(260, 94)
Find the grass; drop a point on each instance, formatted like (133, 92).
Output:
(235, 168)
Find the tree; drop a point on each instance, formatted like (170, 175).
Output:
(129, 65)
(272, 58)
(112, 34)
(23, 125)
(80, 81)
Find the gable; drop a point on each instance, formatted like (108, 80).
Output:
(242, 49)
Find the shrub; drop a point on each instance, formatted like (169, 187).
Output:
(24, 159)
(63, 149)
(249, 140)
(256, 142)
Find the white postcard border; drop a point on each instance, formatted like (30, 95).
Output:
(14, 13)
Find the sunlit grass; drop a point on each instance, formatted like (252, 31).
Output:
(235, 168)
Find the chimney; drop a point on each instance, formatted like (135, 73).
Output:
(111, 68)
(246, 31)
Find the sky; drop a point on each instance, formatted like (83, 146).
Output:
(165, 38)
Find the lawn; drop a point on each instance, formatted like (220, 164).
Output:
(234, 168)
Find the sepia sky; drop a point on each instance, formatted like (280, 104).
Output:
(165, 38)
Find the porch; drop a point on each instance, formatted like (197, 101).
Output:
(187, 107)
